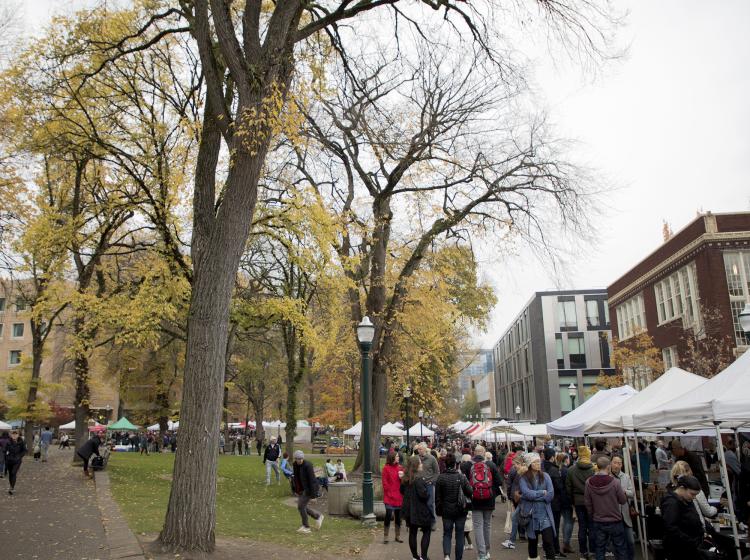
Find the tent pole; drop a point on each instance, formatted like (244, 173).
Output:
(629, 472)
(642, 520)
(730, 499)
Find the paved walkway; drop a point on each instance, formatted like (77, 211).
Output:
(53, 514)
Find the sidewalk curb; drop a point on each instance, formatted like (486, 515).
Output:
(121, 541)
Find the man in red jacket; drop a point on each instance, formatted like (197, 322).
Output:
(603, 498)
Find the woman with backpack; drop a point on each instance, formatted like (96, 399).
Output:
(534, 511)
(481, 477)
(452, 498)
(415, 507)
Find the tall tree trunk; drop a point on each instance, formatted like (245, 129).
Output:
(218, 241)
(82, 402)
(37, 347)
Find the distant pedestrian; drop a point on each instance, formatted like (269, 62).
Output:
(306, 487)
(550, 467)
(64, 441)
(566, 505)
(482, 501)
(46, 441)
(91, 447)
(452, 498)
(391, 476)
(4, 439)
(37, 448)
(143, 442)
(604, 499)
(415, 508)
(430, 471)
(15, 450)
(258, 445)
(271, 461)
(629, 489)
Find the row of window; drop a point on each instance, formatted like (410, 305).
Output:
(737, 268)
(597, 313)
(676, 297)
(577, 350)
(20, 304)
(17, 330)
(14, 357)
(631, 317)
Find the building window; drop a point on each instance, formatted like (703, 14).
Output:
(606, 313)
(737, 267)
(577, 351)
(560, 351)
(20, 304)
(566, 311)
(631, 318)
(669, 355)
(2, 304)
(676, 297)
(604, 350)
(1, 330)
(592, 313)
(17, 330)
(14, 357)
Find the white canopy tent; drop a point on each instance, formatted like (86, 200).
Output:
(4, 426)
(420, 430)
(600, 404)
(531, 430)
(355, 430)
(171, 426)
(723, 399)
(460, 426)
(391, 430)
(673, 383)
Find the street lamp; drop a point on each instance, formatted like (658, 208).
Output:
(518, 413)
(365, 334)
(407, 397)
(572, 391)
(421, 415)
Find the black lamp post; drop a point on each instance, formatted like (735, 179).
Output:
(407, 397)
(572, 391)
(365, 334)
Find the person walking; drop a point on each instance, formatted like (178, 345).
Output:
(575, 486)
(415, 507)
(452, 496)
(482, 501)
(695, 463)
(306, 487)
(15, 450)
(517, 469)
(4, 439)
(465, 466)
(46, 441)
(566, 505)
(535, 511)
(271, 460)
(662, 459)
(553, 471)
(91, 447)
(604, 499)
(683, 528)
(392, 498)
(629, 490)
(430, 472)
(143, 443)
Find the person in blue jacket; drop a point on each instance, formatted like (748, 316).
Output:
(535, 508)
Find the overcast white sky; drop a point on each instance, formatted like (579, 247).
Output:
(669, 126)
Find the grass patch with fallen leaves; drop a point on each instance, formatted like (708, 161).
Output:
(246, 507)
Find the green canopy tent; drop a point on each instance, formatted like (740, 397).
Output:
(122, 424)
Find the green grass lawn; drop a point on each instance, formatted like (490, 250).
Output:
(246, 507)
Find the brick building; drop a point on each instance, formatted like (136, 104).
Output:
(692, 287)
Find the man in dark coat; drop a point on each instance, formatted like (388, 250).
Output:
(694, 462)
(15, 449)
(306, 487)
(91, 447)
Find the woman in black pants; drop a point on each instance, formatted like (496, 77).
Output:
(415, 508)
(15, 449)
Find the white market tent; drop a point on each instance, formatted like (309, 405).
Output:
(171, 426)
(459, 426)
(391, 430)
(355, 430)
(420, 430)
(673, 383)
(69, 426)
(724, 398)
(531, 430)
(4, 426)
(600, 404)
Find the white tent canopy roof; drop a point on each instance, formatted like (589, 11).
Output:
(355, 430)
(387, 430)
(4, 426)
(416, 431)
(724, 398)
(672, 383)
(573, 423)
(532, 430)
(170, 426)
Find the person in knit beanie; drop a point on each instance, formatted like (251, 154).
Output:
(575, 486)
